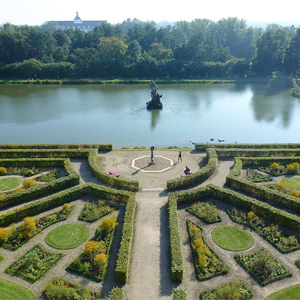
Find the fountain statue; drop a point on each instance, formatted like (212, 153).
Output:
(155, 97)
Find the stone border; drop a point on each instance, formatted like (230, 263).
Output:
(154, 171)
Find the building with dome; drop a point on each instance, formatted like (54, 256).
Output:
(78, 23)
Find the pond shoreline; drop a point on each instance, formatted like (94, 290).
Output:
(71, 81)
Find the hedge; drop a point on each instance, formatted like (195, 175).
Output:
(40, 190)
(123, 261)
(197, 177)
(264, 209)
(44, 153)
(90, 153)
(259, 191)
(100, 147)
(93, 160)
(179, 294)
(177, 266)
(202, 146)
(60, 198)
(223, 152)
(116, 294)
(261, 208)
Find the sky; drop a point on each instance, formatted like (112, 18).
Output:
(36, 12)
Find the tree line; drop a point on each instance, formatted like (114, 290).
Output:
(198, 49)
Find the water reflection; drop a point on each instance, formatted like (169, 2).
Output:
(270, 107)
(154, 117)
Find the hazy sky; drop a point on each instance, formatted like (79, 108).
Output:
(36, 12)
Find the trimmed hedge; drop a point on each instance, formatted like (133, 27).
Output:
(116, 294)
(100, 147)
(223, 152)
(93, 160)
(259, 191)
(90, 153)
(40, 190)
(197, 177)
(202, 146)
(60, 198)
(261, 208)
(179, 294)
(123, 261)
(177, 266)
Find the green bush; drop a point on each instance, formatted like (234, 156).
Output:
(123, 261)
(197, 177)
(116, 294)
(126, 184)
(60, 198)
(177, 267)
(59, 288)
(179, 294)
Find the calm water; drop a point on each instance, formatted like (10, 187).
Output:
(116, 114)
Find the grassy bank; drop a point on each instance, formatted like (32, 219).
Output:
(70, 81)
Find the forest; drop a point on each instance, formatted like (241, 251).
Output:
(202, 48)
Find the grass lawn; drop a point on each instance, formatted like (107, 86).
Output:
(67, 236)
(232, 238)
(289, 293)
(292, 182)
(9, 183)
(12, 291)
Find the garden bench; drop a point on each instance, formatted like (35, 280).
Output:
(114, 173)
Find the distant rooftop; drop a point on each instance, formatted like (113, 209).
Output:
(78, 23)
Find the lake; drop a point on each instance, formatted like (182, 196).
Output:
(117, 114)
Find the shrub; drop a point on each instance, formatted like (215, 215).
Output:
(60, 289)
(2, 171)
(29, 227)
(29, 182)
(101, 259)
(92, 248)
(29, 172)
(295, 193)
(109, 224)
(66, 207)
(4, 234)
(293, 168)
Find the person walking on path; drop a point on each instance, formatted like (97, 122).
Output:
(179, 156)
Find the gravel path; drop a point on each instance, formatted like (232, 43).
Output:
(150, 260)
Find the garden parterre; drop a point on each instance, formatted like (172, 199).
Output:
(69, 188)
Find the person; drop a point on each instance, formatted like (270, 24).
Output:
(179, 156)
(187, 170)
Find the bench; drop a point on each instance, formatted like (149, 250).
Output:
(114, 173)
(187, 173)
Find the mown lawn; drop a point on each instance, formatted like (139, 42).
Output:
(292, 182)
(12, 291)
(232, 238)
(9, 183)
(289, 293)
(67, 236)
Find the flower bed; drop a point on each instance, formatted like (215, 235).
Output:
(206, 211)
(94, 210)
(17, 237)
(34, 264)
(231, 290)
(207, 263)
(93, 262)
(271, 233)
(62, 289)
(263, 267)
(255, 176)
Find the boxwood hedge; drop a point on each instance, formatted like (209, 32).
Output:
(197, 177)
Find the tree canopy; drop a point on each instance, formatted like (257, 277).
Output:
(133, 48)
